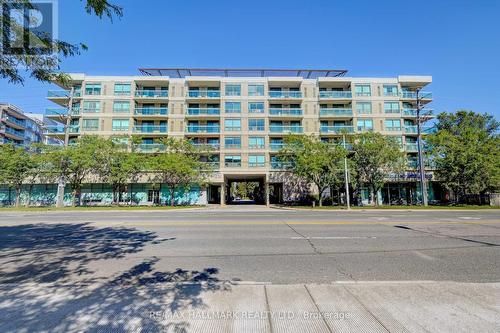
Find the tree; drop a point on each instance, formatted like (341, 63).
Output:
(15, 165)
(466, 150)
(317, 162)
(78, 162)
(178, 167)
(375, 158)
(120, 168)
(38, 171)
(36, 57)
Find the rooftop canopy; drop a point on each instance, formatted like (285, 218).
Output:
(237, 72)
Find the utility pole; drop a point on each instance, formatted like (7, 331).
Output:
(62, 182)
(346, 177)
(421, 164)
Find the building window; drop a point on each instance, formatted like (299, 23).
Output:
(121, 106)
(256, 124)
(90, 124)
(232, 160)
(391, 107)
(393, 125)
(363, 107)
(255, 90)
(390, 90)
(365, 124)
(232, 142)
(233, 107)
(91, 106)
(92, 89)
(233, 89)
(122, 89)
(256, 142)
(363, 90)
(120, 125)
(256, 160)
(256, 107)
(232, 124)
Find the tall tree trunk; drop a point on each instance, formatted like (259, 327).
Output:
(373, 196)
(73, 193)
(30, 189)
(172, 196)
(18, 196)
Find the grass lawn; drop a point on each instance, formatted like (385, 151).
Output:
(460, 207)
(91, 208)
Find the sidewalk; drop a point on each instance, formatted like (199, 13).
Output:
(250, 307)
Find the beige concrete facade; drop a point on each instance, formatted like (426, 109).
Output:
(243, 118)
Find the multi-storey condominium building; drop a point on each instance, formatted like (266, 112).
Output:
(18, 128)
(244, 115)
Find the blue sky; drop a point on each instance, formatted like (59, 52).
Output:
(457, 42)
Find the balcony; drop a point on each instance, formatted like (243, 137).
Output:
(276, 146)
(335, 112)
(206, 146)
(58, 94)
(151, 93)
(203, 111)
(334, 94)
(59, 112)
(413, 95)
(151, 111)
(337, 129)
(411, 147)
(203, 94)
(12, 131)
(285, 94)
(150, 129)
(281, 165)
(285, 129)
(411, 129)
(232, 164)
(285, 112)
(19, 123)
(203, 129)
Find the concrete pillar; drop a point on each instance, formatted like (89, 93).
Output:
(266, 187)
(223, 194)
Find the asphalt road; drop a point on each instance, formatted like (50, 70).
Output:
(255, 244)
(250, 269)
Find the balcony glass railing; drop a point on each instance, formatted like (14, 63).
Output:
(285, 129)
(19, 122)
(151, 93)
(58, 93)
(203, 111)
(203, 129)
(203, 93)
(411, 147)
(13, 131)
(409, 112)
(335, 94)
(74, 129)
(276, 146)
(151, 111)
(56, 112)
(150, 129)
(281, 165)
(413, 95)
(285, 112)
(411, 129)
(232, 164)
(337, 129)
(285, 94)
(206, 145)
(335, 112)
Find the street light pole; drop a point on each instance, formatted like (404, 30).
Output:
(421, 165)
(62, 182)
(346, 177)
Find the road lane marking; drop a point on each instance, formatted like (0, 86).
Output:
(424, 256)
(333, 237)
(469, 218)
